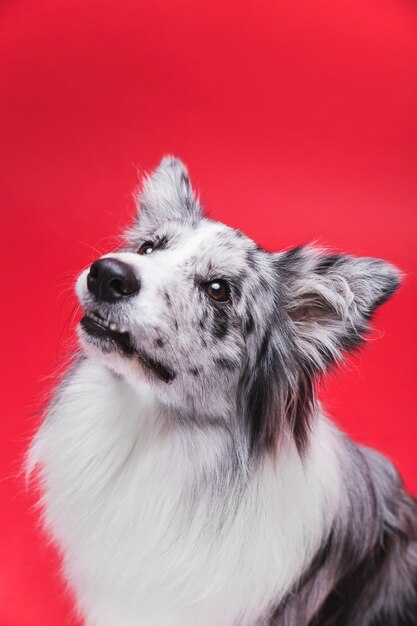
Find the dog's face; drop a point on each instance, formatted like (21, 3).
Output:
(174, 308)
(213, 326)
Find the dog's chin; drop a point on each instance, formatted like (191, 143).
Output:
(109, 339)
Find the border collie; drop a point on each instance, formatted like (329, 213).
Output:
(188, 472)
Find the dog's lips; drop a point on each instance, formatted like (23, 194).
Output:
(109, 332)
(104, 330)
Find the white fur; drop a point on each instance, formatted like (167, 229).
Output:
(116, 481)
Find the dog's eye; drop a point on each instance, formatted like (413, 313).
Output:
(146, 248)
(217, 290)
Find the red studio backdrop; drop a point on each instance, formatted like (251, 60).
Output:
(298, 121)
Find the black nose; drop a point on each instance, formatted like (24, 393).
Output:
(110, 280)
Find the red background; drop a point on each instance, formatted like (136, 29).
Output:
(298, 121)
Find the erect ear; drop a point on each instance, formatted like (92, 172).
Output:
(167, 195)
(330, 299)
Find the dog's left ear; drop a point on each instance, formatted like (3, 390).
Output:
(330, 299)
(167, 195)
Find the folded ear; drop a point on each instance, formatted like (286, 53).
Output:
(167, 195)
(330, 299)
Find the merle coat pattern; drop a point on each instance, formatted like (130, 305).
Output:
(188, 473)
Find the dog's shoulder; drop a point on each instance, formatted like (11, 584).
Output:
(365, 572)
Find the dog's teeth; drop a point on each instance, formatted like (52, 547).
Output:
(107, 323)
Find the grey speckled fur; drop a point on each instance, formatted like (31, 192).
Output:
(366, 572)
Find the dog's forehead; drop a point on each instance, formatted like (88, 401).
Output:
(215, 244)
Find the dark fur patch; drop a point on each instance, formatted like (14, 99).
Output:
(280, 387)
(249, 323)
(167, 298)
(328, 262)
(238, 284)
(185, 180)
(251, 260)
(293, 255)
(162, 243)
(299, 406)
(220, 325)
(226, 364)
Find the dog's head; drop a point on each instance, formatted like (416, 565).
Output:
(217, 329)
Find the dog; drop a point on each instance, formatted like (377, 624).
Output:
(189, 475)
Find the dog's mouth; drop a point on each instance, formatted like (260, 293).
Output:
(110, 335)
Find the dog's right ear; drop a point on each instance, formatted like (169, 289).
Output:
(167, 195)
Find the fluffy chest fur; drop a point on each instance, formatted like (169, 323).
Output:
(155, 524)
